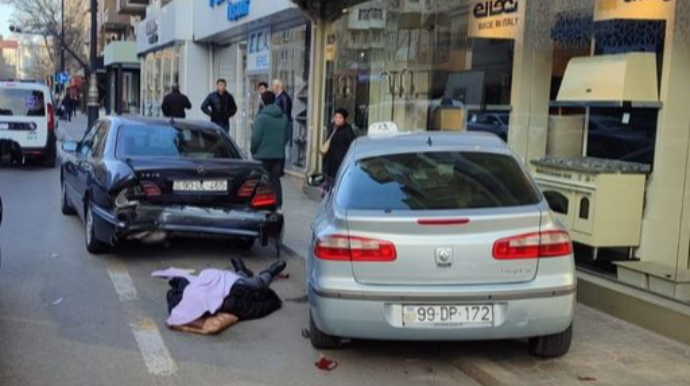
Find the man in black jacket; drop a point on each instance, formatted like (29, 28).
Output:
(175, 104)
(220, 105)
(284, 102)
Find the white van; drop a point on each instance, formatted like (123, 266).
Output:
(27, 122)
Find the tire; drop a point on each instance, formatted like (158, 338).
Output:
(66, 208)
(552, 346)
(93, 245)
(320, 340)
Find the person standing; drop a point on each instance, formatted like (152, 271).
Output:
(220, 105)
(68, 105)
(261, 88)
(269, 138)
(175, 104)
(284, 102)
(340, 137)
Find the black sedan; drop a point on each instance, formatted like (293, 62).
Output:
(149, 180)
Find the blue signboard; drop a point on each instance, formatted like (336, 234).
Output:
(236, 9)
(61, 78)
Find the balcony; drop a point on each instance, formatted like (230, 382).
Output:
(132, 7)
(114, 21)
(122, 53)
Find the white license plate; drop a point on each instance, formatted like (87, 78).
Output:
(448, 315)
(4, 126)
(201, 186)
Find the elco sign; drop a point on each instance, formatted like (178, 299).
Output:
(633, 9)
(498, 19)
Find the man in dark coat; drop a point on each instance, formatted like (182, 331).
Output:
(175, 104)
(220, 105)
(269, 137)
(284, 102)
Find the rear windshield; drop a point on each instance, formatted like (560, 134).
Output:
(167, 141)
(436, 181)
(20, 102)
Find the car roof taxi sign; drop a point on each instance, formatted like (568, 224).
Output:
(383, 129)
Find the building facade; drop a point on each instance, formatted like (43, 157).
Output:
(591, 94)
(248, 42)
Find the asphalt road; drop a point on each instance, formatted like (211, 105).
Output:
(70, 318)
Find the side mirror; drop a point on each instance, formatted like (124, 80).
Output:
(316, 180)
(70, 146)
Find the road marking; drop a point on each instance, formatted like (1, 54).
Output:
(123, 283)
(153, 350)
(156, 355)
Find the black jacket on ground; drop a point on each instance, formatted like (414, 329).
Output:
(175, 104)
(244, 302)
(219, 107)
(340, 144)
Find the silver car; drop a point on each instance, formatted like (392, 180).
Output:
(440, 237)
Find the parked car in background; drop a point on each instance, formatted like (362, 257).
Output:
(149, 180)
(439, 236)
(27, 122)
(495, 123)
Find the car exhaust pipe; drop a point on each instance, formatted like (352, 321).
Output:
(150, 238)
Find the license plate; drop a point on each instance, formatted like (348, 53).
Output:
(4, 126)
(448, 315)
(201, 186)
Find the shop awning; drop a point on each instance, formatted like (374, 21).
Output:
(611, 81)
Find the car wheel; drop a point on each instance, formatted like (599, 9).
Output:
(93, 245)
(552, 346)
(67, 209)
(320, 340)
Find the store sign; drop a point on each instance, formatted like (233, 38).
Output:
(236, 9)
(497, 19)
(633, 9)
(259, 51)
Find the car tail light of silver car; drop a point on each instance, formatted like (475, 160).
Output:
(358, 249)
(533, 246)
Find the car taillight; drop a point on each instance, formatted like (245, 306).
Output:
(247, 189)
(51, 117)
(151, 189)
(533, 246)
(357, 249)
(264, 197)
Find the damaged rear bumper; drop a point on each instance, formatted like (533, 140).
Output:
(138, 221)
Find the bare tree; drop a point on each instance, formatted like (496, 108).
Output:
(43, 17)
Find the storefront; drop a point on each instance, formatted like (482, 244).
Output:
(592, 94)
(123, 66)
(169, 57)
(258, 41)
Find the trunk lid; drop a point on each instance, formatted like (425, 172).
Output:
(424, 239)
(178, 179)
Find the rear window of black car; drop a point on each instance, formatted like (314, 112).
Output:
(22, 102)
(178, 142)
(436, 181)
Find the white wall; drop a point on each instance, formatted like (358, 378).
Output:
(194, 76)
(209, 21)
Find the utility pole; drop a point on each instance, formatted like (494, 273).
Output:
(62, 41)
(92, 99)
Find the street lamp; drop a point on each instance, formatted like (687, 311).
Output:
(92, 99)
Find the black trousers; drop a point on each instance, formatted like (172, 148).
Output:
(274, 167)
